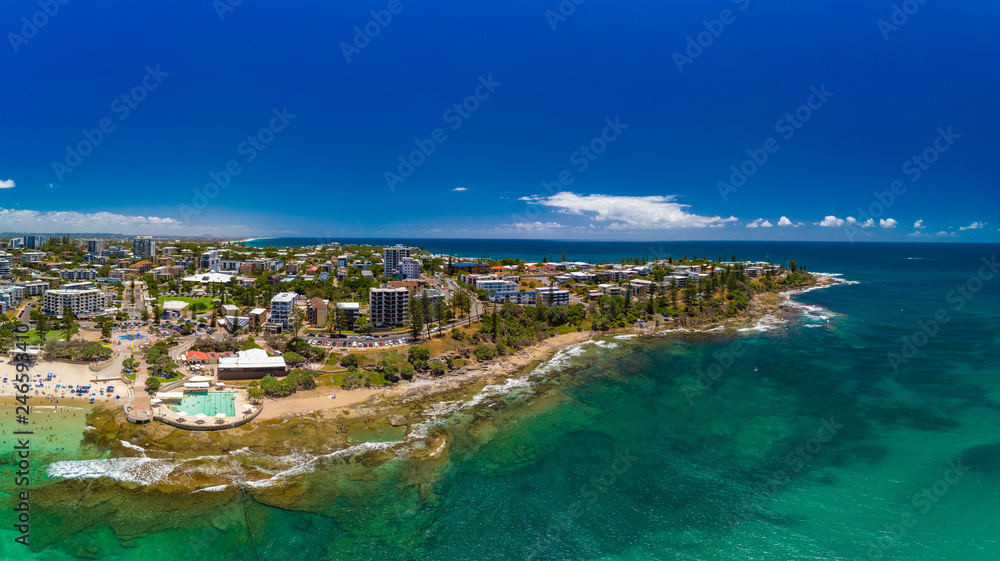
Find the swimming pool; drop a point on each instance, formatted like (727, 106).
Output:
(208, 403)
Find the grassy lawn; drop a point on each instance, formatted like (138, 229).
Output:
(207, 300)
(173, 378)
(35, 339)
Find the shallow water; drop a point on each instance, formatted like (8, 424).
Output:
(800, 439)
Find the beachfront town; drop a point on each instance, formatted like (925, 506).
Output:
(201, 334)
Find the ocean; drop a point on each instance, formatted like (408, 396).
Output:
(862, 425)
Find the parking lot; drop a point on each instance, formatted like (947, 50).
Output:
(358, 342)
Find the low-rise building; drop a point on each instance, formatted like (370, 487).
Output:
(316, 311)
(33, 288)
(526, 297)
(492, 285)
(347, 314)
(640, 287)
(409, 268)
(251, 364)
(553, 296)
(258, 317)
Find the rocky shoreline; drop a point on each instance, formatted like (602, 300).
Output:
(327, 432)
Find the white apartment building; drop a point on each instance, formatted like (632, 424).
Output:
(210, 260)
(493, 285)
(143, 247)
(32, 256)
(528, 297)
(84, 303)
(282, 308)
(33, 288)
(553, 296)
(11, 294)
(96, 246)
(229, 266)
(409, 268)
(388, 306)
(4, 266)
(391, 256)
(78, 274)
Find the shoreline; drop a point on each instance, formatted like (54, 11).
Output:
(505, 367)
(315, 428)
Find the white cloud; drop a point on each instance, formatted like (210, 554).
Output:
(918, 235)
(624, 212)
(731, 219)
(533, 226)
(832, 222)
(460, 189)
(919, 224)
(973, 226)
(784, 221)
(6, 184)
(72, 221)
(944, 234)
(887, 223)
(866, 224)
(759, 223)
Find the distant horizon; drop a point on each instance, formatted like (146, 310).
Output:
(334, 239)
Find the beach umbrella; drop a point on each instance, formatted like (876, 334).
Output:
(220, 415)
(201, 416)
(182, 414)
(155, 400)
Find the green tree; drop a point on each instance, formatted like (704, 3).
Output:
(294, 358)
(416, 318)
(418, 353)
(350, 361)
(406, 371)
(153, 384)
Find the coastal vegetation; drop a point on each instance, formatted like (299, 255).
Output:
(297, 379)
(76, 350)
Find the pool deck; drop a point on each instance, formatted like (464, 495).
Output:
(191, 422)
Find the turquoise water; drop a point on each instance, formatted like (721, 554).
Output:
(208, 403)
(841, 434)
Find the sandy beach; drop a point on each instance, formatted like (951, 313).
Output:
(44, 391)
(315, 400)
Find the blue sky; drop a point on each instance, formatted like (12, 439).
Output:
(603, 120)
